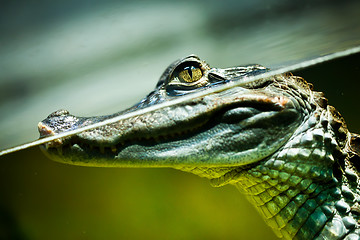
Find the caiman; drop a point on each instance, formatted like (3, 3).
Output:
(274, 138)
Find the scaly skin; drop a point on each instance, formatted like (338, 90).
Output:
(275, 139)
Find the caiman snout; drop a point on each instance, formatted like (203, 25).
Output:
(44, 130)
(57, 122)
(44, 126)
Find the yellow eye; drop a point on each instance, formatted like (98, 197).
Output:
(190, 74)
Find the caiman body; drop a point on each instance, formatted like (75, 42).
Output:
(274, 138)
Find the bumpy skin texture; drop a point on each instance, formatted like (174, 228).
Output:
(275, 139)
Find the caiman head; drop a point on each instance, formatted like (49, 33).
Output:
(273, 137)
(235, 127)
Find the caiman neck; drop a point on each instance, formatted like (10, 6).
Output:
(306, 190)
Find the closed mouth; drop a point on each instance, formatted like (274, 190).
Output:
(201, 124)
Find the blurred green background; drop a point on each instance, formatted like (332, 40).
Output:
(93, 58)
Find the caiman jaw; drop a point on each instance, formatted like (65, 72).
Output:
(184, 134)
(233, 127)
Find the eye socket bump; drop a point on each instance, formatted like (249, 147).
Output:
(190, 74)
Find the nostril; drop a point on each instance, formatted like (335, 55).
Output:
(58, 113)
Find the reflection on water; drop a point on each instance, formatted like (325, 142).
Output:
(92, 58)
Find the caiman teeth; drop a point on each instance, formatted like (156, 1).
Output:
(46, 131)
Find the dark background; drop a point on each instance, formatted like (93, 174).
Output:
(97, 58)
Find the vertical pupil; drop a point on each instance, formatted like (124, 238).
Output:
(189, 70)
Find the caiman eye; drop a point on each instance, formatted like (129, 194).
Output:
(190, 74)
(187, 77)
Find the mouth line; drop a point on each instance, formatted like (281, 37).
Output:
(63, 146)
